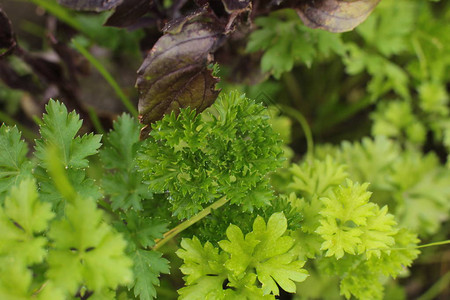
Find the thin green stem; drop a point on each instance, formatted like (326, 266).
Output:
(107, 76)
(419, 246)
(95, 120)
(304, 124)
(437, 288)
(173, 232)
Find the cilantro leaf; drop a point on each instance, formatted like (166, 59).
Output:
(22, 217)
(148, 265)
(86, 250)
(124, 184)
(14, 165)
(59, 130)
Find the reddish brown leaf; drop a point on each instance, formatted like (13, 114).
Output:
(7, 40)
(236, 5)
(91, 5)
(129, 12)
(334, 15)
(174, 75)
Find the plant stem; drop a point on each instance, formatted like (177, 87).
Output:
(304, 124)
(95, 120)
(173, 232)
(437, 288)
(108, 77)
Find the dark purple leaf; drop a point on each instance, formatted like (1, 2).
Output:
(334, 15)
(236, 5)
(15, 81)
(91, 5)
(129, 12)
(175, 75)
(7, 40)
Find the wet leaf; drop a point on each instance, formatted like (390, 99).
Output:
(335, 15)
(7, 40)
(175, 75)
(91, 5)
(129, 12)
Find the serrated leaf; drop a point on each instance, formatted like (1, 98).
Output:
(148, 265)
(267, 250)
(59, 130)
(86, 250)
(124, 184)
(16, 282)
(14, 164)
(21, 218)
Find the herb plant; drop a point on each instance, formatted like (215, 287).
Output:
(316, 169)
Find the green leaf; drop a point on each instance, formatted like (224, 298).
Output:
(59, 129)
(22, 217)
(148, 265)
(318, 177)
(267, 250)
(226, 150)
(87, 251)
(204, 270)
(14, 164)
(124, 184)
(16, 282)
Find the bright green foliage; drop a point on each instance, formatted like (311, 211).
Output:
(204, 270)
(369, 160)
(14, 165)
(16, 282)
(316, 177)
(396, 119)
(422, 191)
(351, 224)
(147, 266)
(21, 219)
(59, 130)
(227, 150)
(124, 182)
(140, 231)
(265, 255)
(414, 185)
(286, 41)
(87, 251)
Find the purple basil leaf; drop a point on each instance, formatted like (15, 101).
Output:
(334, 15)
(175, 75)
(7, 39)
(129, 12)
(91, 5)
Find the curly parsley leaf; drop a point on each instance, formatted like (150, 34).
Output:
(227, 150)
